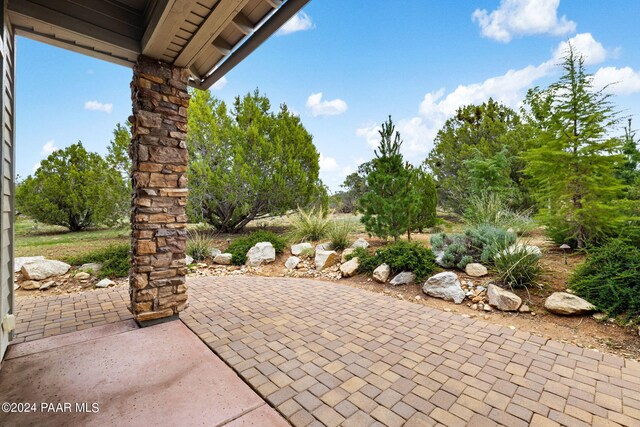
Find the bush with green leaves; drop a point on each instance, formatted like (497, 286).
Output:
(516, 265)
(610, 279)
(487, 208)
(476, 244)
(198, 245)
(311, 224)
(399, 256)
(114, 260)
(338, 233)
(240, 246)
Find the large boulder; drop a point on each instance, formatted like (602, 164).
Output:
(474, 269)
(223, 259)
(261, 253)
(22, 260)
(404, 278)
(350, 268)
(325, 259)
(381, 273)
(502, 299)
(43, 269)
(360, 243)
(292, 262)
(565, 303)
(445, 286)
(300, 248)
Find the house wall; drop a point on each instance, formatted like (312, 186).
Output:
(7, 174)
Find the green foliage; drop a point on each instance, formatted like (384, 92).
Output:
(400, 256)
(114, 260)
(479, 149)
(477, 244)
(73, 188)
(516, 266)
(399, 198)
(118, 159)
(240, 246)
(198, 245)
(486, 208)
(573, 160)
(311, 224)
(248, 162)
(338, 233)
(610, 278)
(355, 186)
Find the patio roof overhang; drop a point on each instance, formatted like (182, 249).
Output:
(208, 37)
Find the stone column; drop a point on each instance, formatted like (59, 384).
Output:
(159, 163)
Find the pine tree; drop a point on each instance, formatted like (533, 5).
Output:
(574, 160)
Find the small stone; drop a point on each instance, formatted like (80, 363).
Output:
(474, 306)
(30, 285)
(600, 317)
(214, 252)
(487, 307)
(82, 276)
(381, 273)
(417, 297)
(91, 267)
(300, 248)
(448, 310)
(404, 278)
(360, 243)
(292, 262)
(502, 299)
(567, 304)
(48, 285)
(104, 283)
(524, 308)
(223, 259)
(513, 328)
(476, 270)
(445, 286)
(188, 260)
(350, 268)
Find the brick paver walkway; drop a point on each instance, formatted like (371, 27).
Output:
(327, 354)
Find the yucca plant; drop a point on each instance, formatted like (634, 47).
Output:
(338, 233)
(516, 265)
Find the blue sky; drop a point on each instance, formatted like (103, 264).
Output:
(344, 66)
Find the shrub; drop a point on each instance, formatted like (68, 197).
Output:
(312, 224)
(490, 209)
(399, 256)
(198, 245)
(516, 266)
(239, 247)
(610, 278)
(338, 234)
(114, 260)
(476, 244)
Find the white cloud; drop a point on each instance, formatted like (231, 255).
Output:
(370, 133)
(48, 148)
(35, 168)
(299, 22)
(584, 44)
(327, 164)
(522, 17)
(98, 106)
(347, 170)
(621, 81)
(318, 107)
(222, 82)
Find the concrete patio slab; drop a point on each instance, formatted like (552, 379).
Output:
(116, 375)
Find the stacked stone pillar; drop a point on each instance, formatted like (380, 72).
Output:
(159, 163)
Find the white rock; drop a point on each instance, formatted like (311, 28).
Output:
(223, 259)
(30, 285)
(524, 308)
(300, 248)
(47, 285)
(502, 299)
(360, 243)
(346, 253)
(188, 260)
(91, 267)
(404, 278)
(565, 303)
(350, 268)
(104, 283)
(43, 269)
(325, 259)
(214, 252)
(20, 261)
(439, 256)
(446, 286)
(261, 253)
(292, 262)
(82, 276)
(323, 247)
(476, 270)
(381, 273)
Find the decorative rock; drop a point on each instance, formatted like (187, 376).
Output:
(292, 262)
(300, 248)
(20, 261)
(445, 286)
(599, 317)
(381, 273)
(524, 308)
(82, 276)
(104, 283)
(91, 267)
(30, 285)
(346, 253)
(215, 252)
(325, 259)
(360, 243)
(261, 253)
(502, 299)
(404, 278)
(439, 256)
(475, 270)
(564, 303)
(43, 269)
(48, 285)
(188, 260)
(324, 247)
(223, 259)
(350, 268)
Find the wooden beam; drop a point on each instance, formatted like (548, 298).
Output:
(163, 25)
(243, 24)
(221, 15)
(274, 3)
(223, 46)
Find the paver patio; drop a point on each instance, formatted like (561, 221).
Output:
(328, 354)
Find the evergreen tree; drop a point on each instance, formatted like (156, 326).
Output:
(574, 161)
